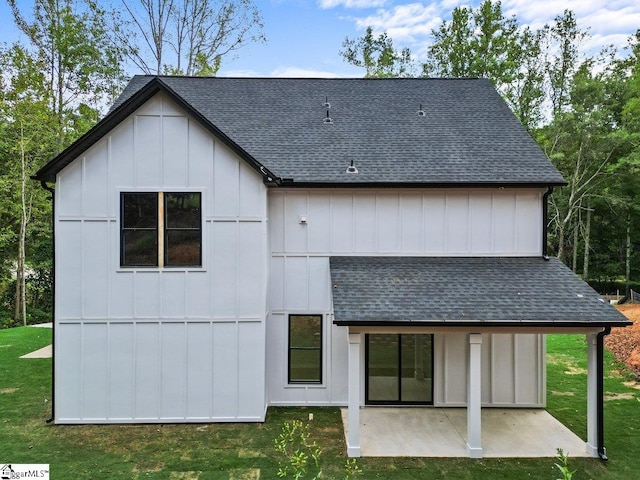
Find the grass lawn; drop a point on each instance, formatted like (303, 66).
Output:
(245, 451)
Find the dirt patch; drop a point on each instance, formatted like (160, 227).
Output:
(8, 390)
(244, 474)
(562, 394)
(624, 343)
(185, 475)
(619, 396)
(567, 362)
(247, 453)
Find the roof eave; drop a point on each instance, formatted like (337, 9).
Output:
(383, 184)
(48, 172)
(482, 323)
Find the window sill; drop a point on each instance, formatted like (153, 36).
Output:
(159, 269)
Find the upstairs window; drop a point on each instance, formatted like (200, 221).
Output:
(160, 229)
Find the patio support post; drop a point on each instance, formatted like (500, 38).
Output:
(474, 397)
(592, 395)
(353, 411)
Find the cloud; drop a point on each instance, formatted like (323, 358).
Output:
(403, 22)
(351, 3)
(410, 24)
(610, 23)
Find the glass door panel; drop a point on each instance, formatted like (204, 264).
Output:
(383, 381)
(416, 369)
(399, 369)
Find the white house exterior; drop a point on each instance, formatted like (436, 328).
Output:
(203, 249)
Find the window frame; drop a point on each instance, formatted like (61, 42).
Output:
(166, 230)
(320, 349)
(161, 250)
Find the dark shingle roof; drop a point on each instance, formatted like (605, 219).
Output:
(486, 291)
(468, 135)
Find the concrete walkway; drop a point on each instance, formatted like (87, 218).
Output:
(44, 352)
(441, 432)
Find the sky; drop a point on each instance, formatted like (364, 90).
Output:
(304, 37)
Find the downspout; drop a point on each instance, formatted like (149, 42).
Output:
(53, 301)
(600, 391)
(545, 209)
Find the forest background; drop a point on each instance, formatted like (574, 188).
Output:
(75, 57)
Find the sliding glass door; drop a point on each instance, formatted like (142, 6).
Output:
(399, 369)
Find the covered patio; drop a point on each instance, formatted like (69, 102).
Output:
(442, 432)
(493, 296)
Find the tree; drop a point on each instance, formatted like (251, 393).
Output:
(485, 43)
(80, 63)
(564, 39)
(52, 92)
(27, 143)
(624, 192)
(377, 55)
(190, 37)
(581, 144)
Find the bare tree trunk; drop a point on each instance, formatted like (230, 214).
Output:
(627, 277)
(21, 284)
(587, 240)
(576, 238)
(17, 310)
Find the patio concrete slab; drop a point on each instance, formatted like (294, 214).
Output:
(441, 432)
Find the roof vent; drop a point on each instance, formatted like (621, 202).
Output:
(421, 112)
(352, 168)
(326, 103)
(327, 119)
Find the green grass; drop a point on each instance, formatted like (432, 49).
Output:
(242, 451)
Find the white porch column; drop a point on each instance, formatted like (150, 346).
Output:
(353, 412)
(474, 397)
(592, 394)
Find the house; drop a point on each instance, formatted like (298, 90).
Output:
(227, 244)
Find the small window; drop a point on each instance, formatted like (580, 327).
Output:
(305, 348)
(150, 238)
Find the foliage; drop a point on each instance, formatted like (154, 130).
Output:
(483, 42)
(52, 90)
(293, 443)
(563, 465)
(377, 55)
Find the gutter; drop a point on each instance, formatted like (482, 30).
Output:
(545, 209)
(53, 301)
(600, 392)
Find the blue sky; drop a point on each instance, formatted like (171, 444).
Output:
(304, 37)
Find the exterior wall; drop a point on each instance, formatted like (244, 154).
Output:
(306, 226)
(154, 344)
(513, 369)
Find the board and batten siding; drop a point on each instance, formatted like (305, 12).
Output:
(307, 226)
(160, 344)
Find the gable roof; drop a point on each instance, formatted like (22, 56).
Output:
(453, 291)
(468, 135)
